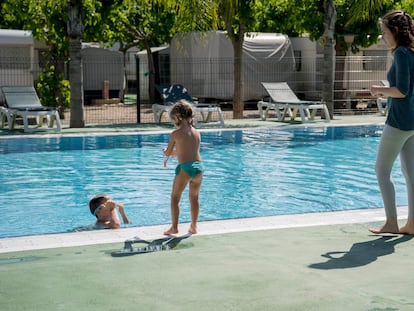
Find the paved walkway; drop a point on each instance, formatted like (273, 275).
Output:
(230, 124)
(320, 261)
(8, 245)
(297, 267)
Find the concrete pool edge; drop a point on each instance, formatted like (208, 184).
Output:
(36, 242)
(231, 124)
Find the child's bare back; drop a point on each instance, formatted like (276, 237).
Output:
(185, 144)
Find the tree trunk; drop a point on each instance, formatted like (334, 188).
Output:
(340, 75)
(238, 104)
(124, 64)
(329, 56)
(151, 73)
(75, 64)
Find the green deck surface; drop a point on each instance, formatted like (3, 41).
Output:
(341, 267)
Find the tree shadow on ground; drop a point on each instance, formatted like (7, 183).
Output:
(362, 253)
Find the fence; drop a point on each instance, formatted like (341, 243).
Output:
(212, 81)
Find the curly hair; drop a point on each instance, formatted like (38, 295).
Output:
(182, 109)
(401, 26)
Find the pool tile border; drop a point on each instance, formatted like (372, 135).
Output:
(205, 228)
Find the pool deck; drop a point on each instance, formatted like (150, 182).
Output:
(317, 261)
(229, 124)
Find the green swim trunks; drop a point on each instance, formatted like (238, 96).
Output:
(191, 168)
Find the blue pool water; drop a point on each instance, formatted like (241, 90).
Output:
(46, 183)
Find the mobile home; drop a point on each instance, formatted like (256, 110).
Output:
(161, 58)
(360, 70)
(102, 66)
(203, 63)
(16, 57)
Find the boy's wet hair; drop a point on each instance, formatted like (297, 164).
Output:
(401, 26)
(95, 202)
(182, 109)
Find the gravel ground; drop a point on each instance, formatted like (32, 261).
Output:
(122, 114)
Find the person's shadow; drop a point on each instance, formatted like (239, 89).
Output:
(361, 253)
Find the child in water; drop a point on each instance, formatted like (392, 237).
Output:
(104, 209)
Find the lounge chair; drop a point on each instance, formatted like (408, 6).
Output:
(22, 101)
(173, 93)
(285, 102)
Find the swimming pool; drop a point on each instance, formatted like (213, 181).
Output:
(46, 182)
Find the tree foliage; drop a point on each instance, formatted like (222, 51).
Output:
(147, 23)
(363, 12)
(156, 21)
(47, 19)
(132, 23)
(289, 17)
(237, 18)
(194, 15)
(305, 17)
(54, 89)
(406, 5)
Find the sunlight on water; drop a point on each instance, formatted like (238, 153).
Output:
(46, 183)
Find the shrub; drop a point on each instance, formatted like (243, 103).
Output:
(53, 89)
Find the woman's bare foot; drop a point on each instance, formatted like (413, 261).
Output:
(171, 231)
(408, 228)
(193, 229)
(405, 230)
(388, 227)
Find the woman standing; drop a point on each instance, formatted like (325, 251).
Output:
(398, 135)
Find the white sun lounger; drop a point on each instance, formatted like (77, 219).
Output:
(22, 101)
(285, 102)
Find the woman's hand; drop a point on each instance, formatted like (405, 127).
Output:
(377, 90)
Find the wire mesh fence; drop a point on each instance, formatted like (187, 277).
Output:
(111, 97)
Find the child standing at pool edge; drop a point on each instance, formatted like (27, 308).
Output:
(185, 145)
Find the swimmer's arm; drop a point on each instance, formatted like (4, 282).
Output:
(122, 212)
(113, 222)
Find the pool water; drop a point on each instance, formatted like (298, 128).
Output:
(46, 183)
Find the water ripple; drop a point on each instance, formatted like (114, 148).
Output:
(46, 183)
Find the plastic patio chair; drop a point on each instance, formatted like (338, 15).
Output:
(175, 92)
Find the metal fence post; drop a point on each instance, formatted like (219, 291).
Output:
(138, 99)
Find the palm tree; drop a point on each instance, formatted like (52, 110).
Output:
(361, 11)
(236, 15)
(329, 55)
(360, 18)
(75, 65)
